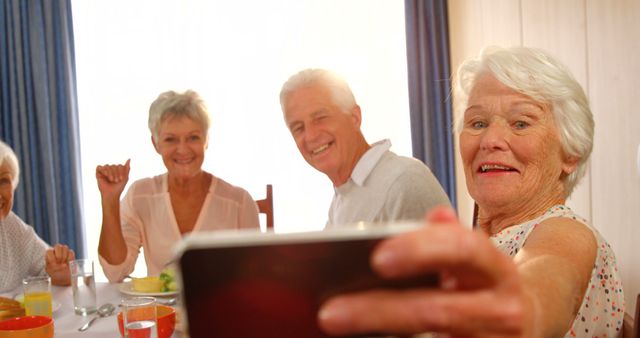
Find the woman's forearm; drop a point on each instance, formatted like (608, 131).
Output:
(112, 246)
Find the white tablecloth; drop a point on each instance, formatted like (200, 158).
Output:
(66, 322)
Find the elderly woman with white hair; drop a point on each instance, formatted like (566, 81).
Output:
(158, 211)
(533, 268)
(22, 252)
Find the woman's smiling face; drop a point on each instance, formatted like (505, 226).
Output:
(182, 143)
(510, 147)
(6, 190)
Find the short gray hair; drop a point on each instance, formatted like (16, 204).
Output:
(9, 157)
(340, 90)
(537, 74)
(172, 104)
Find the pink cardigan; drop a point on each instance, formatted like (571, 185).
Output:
(148, 221)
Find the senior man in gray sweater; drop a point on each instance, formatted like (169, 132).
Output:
(372, 184)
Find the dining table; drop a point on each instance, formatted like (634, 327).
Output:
(67, 322)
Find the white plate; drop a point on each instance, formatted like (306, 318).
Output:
(127, 289)
(55, 305)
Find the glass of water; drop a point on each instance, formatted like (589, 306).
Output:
(139, 317)
(83, 285)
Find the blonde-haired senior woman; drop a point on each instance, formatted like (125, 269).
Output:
(22, 252)
(534, 268)
(158, 211)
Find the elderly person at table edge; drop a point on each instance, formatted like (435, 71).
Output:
(534, 268)
(22, 252)
(157, 212)
(371, 183)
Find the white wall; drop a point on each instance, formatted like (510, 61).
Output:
(600, 42)
(236, 54)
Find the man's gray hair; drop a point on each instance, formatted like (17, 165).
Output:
(340, 90)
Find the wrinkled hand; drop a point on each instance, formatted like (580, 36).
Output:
(480, 294)
(57, 264)
(112, 178)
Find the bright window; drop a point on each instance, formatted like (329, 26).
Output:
(236, 54)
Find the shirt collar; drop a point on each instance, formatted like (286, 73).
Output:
(369, 160)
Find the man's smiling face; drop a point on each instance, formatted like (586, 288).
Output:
(324, 132)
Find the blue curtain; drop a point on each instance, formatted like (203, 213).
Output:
(39, 116)
(429, 88)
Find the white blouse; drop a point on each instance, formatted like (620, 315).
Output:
(21, 252)
(602, 308)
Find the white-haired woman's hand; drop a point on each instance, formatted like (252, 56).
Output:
(112, 178)
(481, 294)
(57, 264)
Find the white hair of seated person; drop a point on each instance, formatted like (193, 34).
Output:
(171, 104)
(8, 157)
(340, 91)
(537, 74)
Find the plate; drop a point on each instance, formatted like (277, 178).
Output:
(55, 305)
(127, 289)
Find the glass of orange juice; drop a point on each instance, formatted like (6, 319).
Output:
(37, 296)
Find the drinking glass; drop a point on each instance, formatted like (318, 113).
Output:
(139, 317)
(37, 296)
(83, 285)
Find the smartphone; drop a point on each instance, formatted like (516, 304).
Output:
(252, 284)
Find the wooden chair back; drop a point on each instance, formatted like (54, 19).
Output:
(265, 206)
(474, 220)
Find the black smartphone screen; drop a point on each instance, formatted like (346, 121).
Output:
(275, 290)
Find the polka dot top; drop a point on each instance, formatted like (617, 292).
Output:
(602, 309)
